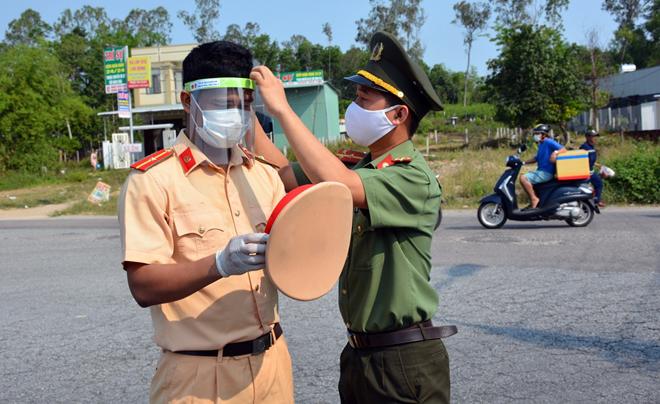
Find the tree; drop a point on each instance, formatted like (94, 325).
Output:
(243, 36)
(535, 78)
(265, 50)
(202, 21)
(149, 27)
(626, 13)
(652, 27)
(594, 67)
(89, 20)
(327, 31)
(402, 18)
(29, 29)
(36, 101)
(445, 83)
(511, 12)
(473, 17)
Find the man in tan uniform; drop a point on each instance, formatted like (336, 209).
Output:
(189, 219)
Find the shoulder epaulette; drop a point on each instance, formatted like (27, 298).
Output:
(350, 156)
(390, 161)
(152, 159)
(261, 159)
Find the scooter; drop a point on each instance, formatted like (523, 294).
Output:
(571, 201)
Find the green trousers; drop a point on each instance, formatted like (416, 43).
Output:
(409, 373)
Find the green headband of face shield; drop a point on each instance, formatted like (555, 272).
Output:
(219, 82)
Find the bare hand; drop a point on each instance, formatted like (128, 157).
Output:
(271, 90)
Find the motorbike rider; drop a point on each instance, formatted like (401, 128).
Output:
(590, 146)
(546, 157)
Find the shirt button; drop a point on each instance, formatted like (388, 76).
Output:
(237, 213)
(359, 228)
(343, 291)
(201, 229)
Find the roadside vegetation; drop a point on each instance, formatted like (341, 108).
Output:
(467, 173)
(70, 185)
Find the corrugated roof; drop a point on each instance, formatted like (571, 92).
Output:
(638, 83)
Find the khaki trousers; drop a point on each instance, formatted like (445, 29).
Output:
(263, 378)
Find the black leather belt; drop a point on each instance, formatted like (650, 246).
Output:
(419, 332)
(254, 347)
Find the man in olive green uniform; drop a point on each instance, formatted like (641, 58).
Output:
(394, 353)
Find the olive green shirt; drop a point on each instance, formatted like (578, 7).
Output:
(385, 284)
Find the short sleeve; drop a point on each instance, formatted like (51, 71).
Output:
(301, 177)
(146, 236)
(556, 145)
(400, 196)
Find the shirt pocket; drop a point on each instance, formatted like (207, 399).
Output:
(362, 239)
(199, 233)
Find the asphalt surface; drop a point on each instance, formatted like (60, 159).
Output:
(546, 314)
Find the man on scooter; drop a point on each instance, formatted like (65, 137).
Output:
(546, 157)
(590, 146)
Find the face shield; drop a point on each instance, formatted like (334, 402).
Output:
(221, 115)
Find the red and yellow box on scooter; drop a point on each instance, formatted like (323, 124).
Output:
(573, 165)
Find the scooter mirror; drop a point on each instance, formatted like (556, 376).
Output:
(522, 148)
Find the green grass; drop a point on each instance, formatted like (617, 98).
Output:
(72, 185)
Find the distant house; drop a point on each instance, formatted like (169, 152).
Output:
(315, 101)
(634, 103)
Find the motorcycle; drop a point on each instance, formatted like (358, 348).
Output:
(570, 201)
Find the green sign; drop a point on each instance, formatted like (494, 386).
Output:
(114, 62)
(311, 77)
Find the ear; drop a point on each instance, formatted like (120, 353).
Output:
(185, 101)
(401, 114)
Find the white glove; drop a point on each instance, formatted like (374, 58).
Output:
(243, 253)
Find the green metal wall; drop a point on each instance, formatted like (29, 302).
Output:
(318, 107)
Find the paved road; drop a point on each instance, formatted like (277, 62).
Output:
(546, 314)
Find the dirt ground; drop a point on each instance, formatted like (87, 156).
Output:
(38, 212)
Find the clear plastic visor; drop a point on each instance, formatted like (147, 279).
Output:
(222, 116)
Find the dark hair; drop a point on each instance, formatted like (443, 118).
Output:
(412, 117)
(217, 59)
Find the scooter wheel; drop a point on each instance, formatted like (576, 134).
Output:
(491, 215)
(585, 217)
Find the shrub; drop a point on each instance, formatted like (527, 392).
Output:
(637, 176)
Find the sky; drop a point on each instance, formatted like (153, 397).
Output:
(282, 19)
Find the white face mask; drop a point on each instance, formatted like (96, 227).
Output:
(365, 127)
(537, 138)
(222, 128)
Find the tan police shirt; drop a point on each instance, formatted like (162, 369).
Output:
(185, 208)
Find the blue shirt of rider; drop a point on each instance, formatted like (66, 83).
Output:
(546, 148)
(593, 155)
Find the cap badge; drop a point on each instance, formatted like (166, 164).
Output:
(377, 52)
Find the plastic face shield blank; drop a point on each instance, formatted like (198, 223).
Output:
(221, 115)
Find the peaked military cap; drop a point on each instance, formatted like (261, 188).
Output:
(391, 70)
